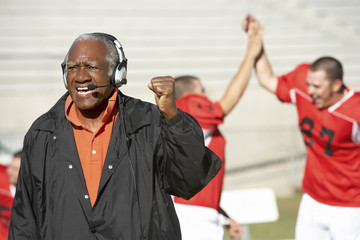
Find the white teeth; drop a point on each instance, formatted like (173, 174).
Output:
(82, 89)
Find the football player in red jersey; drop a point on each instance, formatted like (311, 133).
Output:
(329, 123)
(199, 217)
(8, 179)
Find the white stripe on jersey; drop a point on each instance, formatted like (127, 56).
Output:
(344, 99)
(355, 136)
(293, 92)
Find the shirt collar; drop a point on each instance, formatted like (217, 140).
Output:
(71, 115)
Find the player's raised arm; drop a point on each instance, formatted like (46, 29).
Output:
(239, 82)
(263, 69)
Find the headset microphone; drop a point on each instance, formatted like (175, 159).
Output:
(93, 87)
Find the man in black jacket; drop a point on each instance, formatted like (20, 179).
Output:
(102, 165)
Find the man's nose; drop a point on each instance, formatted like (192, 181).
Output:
(82, 75)
(310, 90)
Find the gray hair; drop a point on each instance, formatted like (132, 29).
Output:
(112, 53)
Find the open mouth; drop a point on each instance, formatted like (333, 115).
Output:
(316, 101)
(83, 90)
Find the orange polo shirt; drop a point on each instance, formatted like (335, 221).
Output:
(92, 146)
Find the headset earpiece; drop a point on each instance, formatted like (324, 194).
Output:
(120, 74)
(64, 72)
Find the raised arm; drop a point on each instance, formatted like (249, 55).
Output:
(239, 82)
(263, 69)
(189, 165)
(185, 164)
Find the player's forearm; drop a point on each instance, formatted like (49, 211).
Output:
(264, 73)
(237, 85)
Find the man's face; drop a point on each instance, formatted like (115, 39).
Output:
(87, 65)
(198, 88)
(320, 89)
(13, 170)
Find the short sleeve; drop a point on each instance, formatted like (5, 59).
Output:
(288, 82)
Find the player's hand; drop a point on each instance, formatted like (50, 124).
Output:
(235, 229)
(246, 22)
(163, 87)
(255, 31)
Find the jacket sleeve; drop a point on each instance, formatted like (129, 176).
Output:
(23, 221)
(187, 164)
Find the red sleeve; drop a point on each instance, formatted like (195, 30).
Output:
(292, 80)
(207, 113)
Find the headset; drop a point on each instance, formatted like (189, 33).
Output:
(119, 74)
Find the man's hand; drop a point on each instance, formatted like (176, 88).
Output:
(163, 87)
(235, 229)
(253, 28)
(249, 19)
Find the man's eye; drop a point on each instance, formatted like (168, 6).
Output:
(92, 67)
(71, 68)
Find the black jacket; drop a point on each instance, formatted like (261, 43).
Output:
(147, 160)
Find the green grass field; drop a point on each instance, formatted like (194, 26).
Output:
(284, 227)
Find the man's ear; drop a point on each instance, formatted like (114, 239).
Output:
(337, 85)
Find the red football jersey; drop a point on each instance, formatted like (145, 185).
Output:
(332, 141)
(6, 201)
(209, 115)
